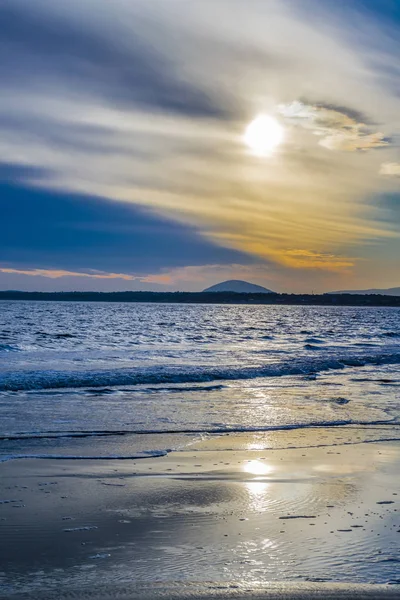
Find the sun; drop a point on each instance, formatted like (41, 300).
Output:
(263, 135)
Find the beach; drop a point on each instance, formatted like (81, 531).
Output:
(194, 452)
(246, 517)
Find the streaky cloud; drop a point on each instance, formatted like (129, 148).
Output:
(147, 103)
(339, 128)
(52, 49)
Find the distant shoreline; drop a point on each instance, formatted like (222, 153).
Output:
(208, 298)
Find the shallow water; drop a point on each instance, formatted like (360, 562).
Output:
(72, 369)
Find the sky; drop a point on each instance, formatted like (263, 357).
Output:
(134, 152)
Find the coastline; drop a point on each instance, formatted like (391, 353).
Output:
(215, 591)
(230, 298)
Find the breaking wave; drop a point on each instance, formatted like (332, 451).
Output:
(9, 348)
(41, 380)
(206, 430)
(136, 456)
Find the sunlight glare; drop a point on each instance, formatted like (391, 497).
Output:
(256, 467)
(263, 135)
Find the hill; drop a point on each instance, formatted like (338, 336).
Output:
(383, 292)
(239, 287)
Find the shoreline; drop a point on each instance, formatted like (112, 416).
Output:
(215, 591)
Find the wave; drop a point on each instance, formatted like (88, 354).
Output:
(187, 388)
(161, 453)
(136, 456)
(41, 380)
(9, 348)
(210, 430)
(55, 335)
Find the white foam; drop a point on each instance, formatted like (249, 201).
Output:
(171, 374)
(84, 528)
(137, 456)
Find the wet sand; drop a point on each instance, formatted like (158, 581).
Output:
(273, 591)
(318, 519)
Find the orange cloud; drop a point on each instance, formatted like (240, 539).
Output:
(307, 259)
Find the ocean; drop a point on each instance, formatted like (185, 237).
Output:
(129, 380)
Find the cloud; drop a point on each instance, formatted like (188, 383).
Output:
(53, 274)
(46, 282)
(55, 234)
(390, 169)
(340, 128)
(49, 47)
(307, 259)
(144, 104)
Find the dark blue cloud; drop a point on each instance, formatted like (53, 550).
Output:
(48, 230)
(42, 47)
(12, 173)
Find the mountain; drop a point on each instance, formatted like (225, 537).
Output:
(238, 286)
(384, 292)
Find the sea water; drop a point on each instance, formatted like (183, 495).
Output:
(130, 380)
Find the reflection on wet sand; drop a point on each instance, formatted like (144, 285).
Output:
(227, 515)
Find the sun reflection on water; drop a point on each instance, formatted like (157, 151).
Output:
(258, 487)
(256, 467)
